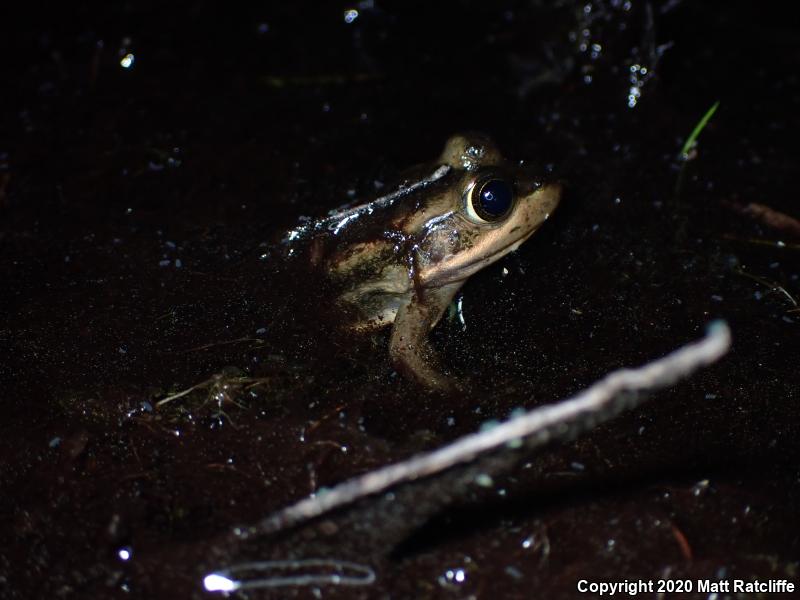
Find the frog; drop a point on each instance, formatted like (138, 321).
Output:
(399, 260)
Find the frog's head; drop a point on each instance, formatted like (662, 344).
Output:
(484, 209)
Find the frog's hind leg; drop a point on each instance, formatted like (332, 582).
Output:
(409, 348)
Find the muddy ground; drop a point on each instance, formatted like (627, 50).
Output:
(151, 157)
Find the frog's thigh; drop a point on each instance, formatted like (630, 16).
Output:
(409, 347)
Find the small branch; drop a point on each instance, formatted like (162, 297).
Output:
(771, 243)
(601, 402)
(183, 393)
(773, 286)
(225, 343)
(768, 216)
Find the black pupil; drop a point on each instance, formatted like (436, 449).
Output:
(495, 198)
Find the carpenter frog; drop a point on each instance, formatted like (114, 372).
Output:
(400, 259)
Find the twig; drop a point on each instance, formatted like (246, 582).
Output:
(768, 216)
(224, 343)
(773, 287)
(290, 573)
(598, 403)
(760, 242)
(182, 393)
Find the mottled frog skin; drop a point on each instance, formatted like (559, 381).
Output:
(400, 259)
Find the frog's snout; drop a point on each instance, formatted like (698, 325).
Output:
(547, 198)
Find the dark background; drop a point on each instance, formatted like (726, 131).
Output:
(140, 213)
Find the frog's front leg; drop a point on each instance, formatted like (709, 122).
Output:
(409, 348)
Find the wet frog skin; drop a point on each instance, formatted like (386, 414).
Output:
(400, 259)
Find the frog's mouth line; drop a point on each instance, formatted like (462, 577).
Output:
(513, 246)
(467, 270)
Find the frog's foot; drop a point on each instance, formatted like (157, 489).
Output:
(418, 362)
(411, 353)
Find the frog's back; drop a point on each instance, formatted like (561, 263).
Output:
(367, 253)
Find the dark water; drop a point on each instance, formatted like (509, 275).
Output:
(152, 155)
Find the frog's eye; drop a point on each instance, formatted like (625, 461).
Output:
(489, 200)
